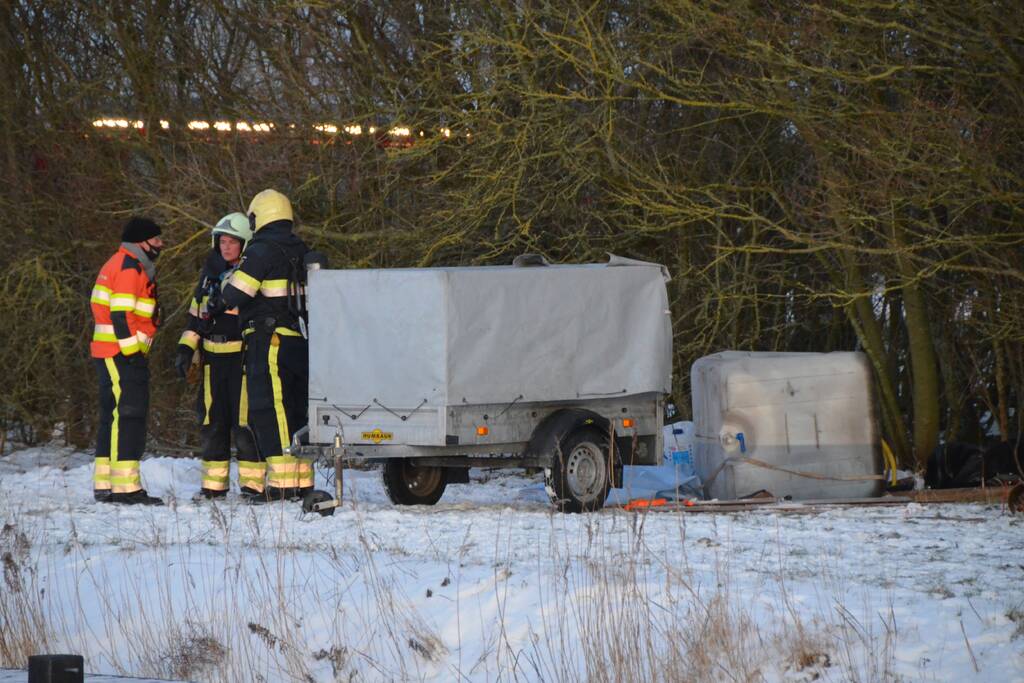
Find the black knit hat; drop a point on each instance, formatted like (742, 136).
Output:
(139, 229)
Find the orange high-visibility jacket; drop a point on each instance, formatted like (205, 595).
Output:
(123, 306)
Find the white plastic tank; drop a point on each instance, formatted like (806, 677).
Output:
(793, 424)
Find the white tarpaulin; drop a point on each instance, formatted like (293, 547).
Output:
(435, 337)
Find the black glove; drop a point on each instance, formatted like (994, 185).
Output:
(137, 359)
(205, 326)
(215, 304)
(183, 360)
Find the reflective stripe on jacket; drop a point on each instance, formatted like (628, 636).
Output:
(259, 287)
(124, 306)
(221, 333)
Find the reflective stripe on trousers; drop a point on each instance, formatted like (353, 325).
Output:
(287, 471)
(125, 476)
(251, 475)
(215, 475)
(101, 475)
(121, 434)
(118, 477)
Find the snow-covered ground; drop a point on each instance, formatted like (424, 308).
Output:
(492, 585)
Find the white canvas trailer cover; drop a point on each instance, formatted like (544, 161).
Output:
(388, 344)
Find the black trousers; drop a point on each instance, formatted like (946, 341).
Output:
(221, 407)
(124, 409)
(222, 413)
(277, 374)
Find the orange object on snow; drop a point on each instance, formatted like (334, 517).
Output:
(645, 503)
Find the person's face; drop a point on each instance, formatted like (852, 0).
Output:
(230, 248)
(153, 243)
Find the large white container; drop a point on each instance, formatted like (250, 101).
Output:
(808, 413)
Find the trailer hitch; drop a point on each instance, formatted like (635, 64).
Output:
(321, 501)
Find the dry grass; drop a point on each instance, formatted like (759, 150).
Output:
(607, 604)
(23, 626)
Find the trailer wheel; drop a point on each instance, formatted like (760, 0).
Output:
(578, 479)
(409, 484)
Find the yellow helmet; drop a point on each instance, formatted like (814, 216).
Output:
(269, 206)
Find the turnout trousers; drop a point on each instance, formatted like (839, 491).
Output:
(124, 408)
(277, 374)
(222, 411)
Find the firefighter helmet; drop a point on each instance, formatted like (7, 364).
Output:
(234, 224)
(269, 206)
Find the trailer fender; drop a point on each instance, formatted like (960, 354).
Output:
(547, 435)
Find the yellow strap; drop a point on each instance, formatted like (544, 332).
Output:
(890, 460)
(243, 404)
(115, 382)
(207, 393)
(275, 384)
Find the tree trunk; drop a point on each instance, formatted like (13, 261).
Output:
(862, 317)
(924, 366)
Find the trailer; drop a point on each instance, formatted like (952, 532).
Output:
(432, 371)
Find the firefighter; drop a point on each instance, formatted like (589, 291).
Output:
(124, 306)
(268, 290)
(217, 341)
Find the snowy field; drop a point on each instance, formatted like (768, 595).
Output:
(491, 585)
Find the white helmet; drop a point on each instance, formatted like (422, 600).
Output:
(234, 224)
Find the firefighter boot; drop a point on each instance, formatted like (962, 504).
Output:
(139, 497)
(251, 497)
(206, 494)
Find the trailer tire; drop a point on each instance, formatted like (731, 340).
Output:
(579, 476)
(408, 484)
